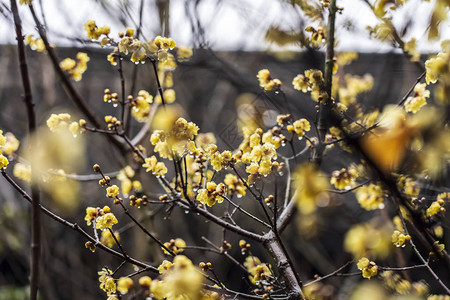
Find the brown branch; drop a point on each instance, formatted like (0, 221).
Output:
(67, 85)
(76, 227)
(35, 213)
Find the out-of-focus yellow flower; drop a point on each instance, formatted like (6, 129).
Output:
(367, 240)
(52, 154)
(124, 284)
(25, 2)
(312, 186)
(370, 197)
(35, 44)
(258, 270)
(57, 122)
(176, 246)
(411, 48)
(107, 239)
(184, 53)
(22, 171)
(182, 281)
(436, 66)
(164, 266)
(165, 43)
(415, 103)
(344, 179)
(145, 281)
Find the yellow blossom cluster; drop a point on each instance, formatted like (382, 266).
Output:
(312, 185)
(75, 69)
(112, 191)
(368, 239)
(436, 66)
(107, 282)
(141, 107)
(399, 239)
(176, 142)
(25, 2)
(217, 159)
(212, 193)
(124, 284)
(102, 217)
(181, 281)
(3, 160)
(140, 51)
(158, 169)
(184, 53)
(258, 271)
(299, 127)
(369, 268)
(344, 179)
(267, 82)
(410, 47)
(59, 122)
(234, 185)
(35, 44)
(409, 185)
(438, 205)
(175, 245)
(164, 266)
(311, 81)
(107, 239)
(352, 86)
(402, 286)
(370, 196)
(22, 171)
(258, 150)
(94, 32)
(415, 103)
(318, 36)
(381, 31)
(126, 183)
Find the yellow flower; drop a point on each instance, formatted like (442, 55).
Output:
(300, 126)
(258, 270)
(107, 283)
(368, 268)
(366, 239)
(159, 169)
(3, 161)
(164, 43)
(67, 64)
(399, 239)
(176, 246)
(414, 104)
(344, 179)
(164, 266)
(124, 284)
(91, 214)
(145, 281)
(234, 185)
(106, 221)
(25, 2)
(112, 191)
(370, 197)
(22, 171)
(107, 239)
(436, 66)
(312, 185)
(56, 122)
(300, 83)
(184, 54)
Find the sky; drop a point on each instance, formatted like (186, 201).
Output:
(227, 25)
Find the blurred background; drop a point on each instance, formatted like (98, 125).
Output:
(218, 90)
